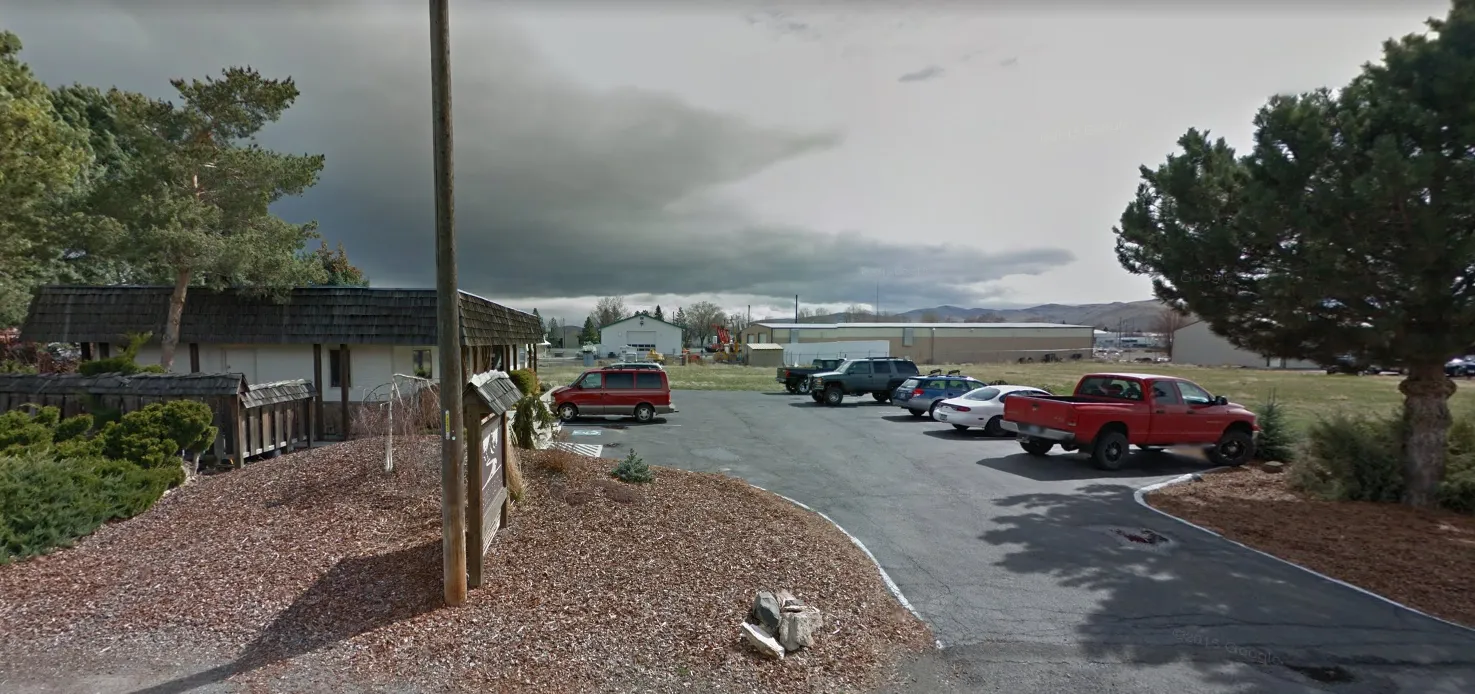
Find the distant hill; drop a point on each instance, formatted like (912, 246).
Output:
(1129, 315)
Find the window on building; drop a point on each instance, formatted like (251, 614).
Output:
(422, 360)
(335, 368)
(908, 336)
(619, 381)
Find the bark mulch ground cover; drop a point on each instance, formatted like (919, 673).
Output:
(318, 571)
(1423, 559)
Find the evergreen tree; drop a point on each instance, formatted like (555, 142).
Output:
(1345, 230)
(591, 332)
(340, 272)
(659, 315)
(553, 337)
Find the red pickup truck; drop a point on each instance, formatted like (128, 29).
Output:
(1110, 411)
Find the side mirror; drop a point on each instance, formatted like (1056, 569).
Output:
(1221, 401)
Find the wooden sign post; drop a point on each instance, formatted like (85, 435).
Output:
(487, 399)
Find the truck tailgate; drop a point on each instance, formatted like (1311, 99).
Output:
(1040, 411)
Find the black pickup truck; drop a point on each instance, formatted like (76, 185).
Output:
(796, 378)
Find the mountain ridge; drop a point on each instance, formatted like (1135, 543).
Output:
(1123, 315)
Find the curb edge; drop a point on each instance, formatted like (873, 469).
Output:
(1141, 493)
(885, 577)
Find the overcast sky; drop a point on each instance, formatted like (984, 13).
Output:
(970, 153)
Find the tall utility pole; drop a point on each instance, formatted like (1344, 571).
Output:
(796, 309)
(878, 300)
(448, 305)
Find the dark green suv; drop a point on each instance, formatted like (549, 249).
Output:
(878, 376)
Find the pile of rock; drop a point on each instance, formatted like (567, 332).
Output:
(779, 623)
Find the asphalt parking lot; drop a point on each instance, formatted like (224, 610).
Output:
(1020, 565)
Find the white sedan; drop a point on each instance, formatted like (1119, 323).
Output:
(981, 408)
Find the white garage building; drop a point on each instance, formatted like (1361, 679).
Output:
(642, 332)
(1196, 344)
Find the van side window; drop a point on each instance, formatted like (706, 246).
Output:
(648, 381)
(590, 381)
(619, 381)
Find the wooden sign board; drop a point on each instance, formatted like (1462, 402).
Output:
(488, 398)
(493, 479)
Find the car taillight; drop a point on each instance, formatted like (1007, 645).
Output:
(916, 392)
(960, 408)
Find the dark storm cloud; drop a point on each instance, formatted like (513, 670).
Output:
(560, 191)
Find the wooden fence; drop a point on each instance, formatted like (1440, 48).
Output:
(253, 420)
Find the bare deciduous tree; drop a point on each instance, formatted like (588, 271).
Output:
(609, 309)
(1167, 323)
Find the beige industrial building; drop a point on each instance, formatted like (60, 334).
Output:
(1196, 344)
(941, 343)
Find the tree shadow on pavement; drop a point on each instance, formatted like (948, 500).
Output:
(1060, 468)
(1161, 592)
(356, 596)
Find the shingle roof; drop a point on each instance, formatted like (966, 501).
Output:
(495, 390)
(326, 315)
(279, 391)
(201, 384)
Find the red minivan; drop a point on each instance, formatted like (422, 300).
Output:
(619, 391)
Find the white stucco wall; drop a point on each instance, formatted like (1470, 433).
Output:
(1198, 345)
(371, 366)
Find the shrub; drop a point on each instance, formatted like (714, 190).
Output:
(48, 502)
(20, 431)
(526, 381)
(1276, 441)
(634, 470)
(156, 435)
(531, 414)
(123, 363)
(1353, 458)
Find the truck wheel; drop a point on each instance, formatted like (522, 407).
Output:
(1038, 447)
(1235, 448)
(880, 397)
(804, 386)
(792, 387)
(834, 396)
(1109, 450)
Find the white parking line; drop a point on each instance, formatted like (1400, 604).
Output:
(590, 449)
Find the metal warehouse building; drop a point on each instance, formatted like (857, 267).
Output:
(941, 343)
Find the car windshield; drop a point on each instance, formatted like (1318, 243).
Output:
(909, 383)
(982, 394)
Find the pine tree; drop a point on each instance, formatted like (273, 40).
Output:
(633, 469)
(659, 315)
(591, 332)
(1344, 231)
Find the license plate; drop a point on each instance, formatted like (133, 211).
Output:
(1030, 429)
(942, 416)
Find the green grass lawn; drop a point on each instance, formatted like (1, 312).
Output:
(1305, 395)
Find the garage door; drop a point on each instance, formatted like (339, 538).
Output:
(644, 339)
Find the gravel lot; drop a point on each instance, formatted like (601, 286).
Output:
(1014, 563)
(317, 572)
